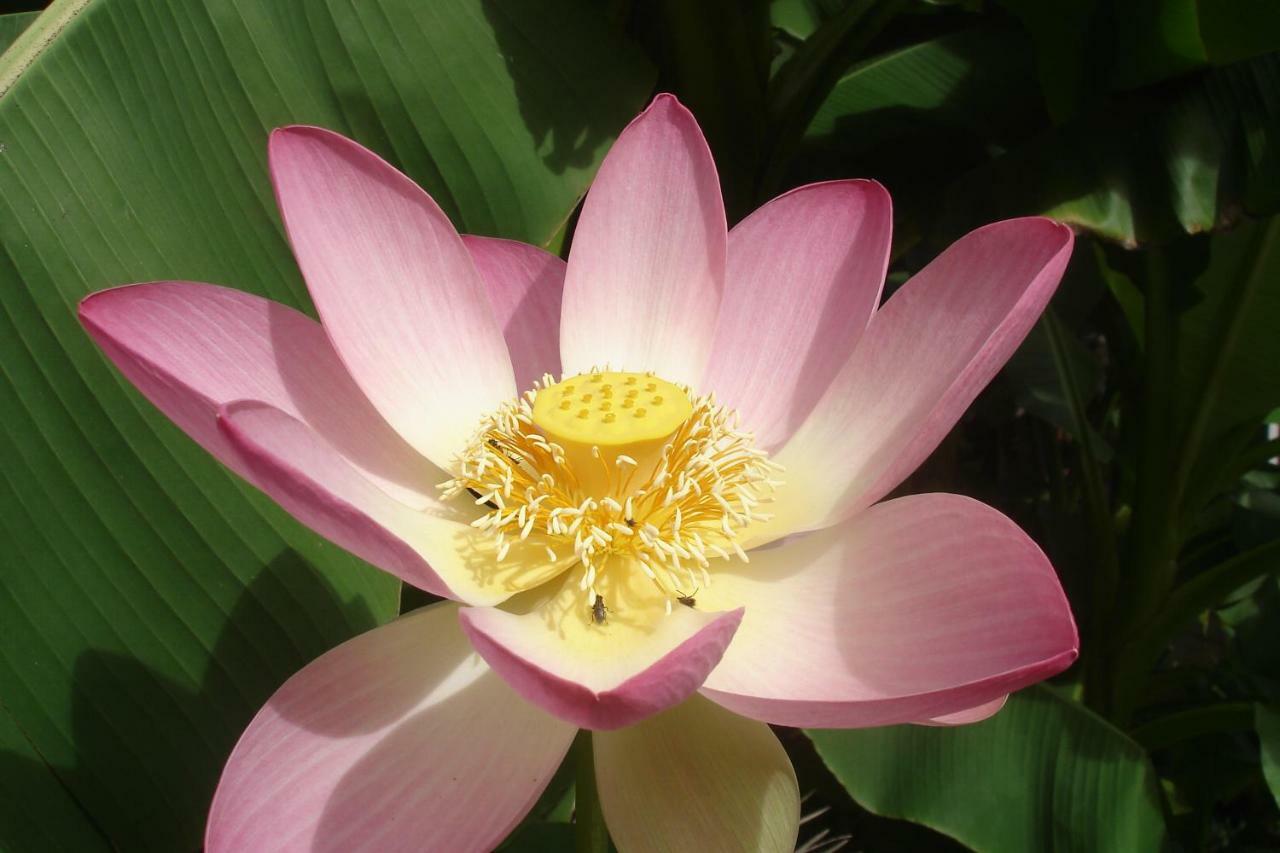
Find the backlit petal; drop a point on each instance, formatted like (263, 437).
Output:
(927, 353)
(401, 739)
(190, 348)
(697, 777)
(918, 608)
(525, 285)
(434, 548)
(647, 265)
(602, 676)
(396, 290)
(804, 275)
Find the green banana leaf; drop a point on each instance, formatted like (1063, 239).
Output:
(150, 601)
(1042, 774)
(11, 26)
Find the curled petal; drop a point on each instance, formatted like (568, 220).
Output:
(970, 715)
(919, 608)
(638, 662)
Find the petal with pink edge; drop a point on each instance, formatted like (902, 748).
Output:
(396, 289)
(190, 347)
(804, 276)
(927, 353)
(970, 715)
(434, 548)
(525, 285)
(399, 739)
(647, 265)
(697, 777)
(638, 662)
(918, 608)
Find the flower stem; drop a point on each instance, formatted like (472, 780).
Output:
(1101, 519)
(590, 834)
(1153, 540)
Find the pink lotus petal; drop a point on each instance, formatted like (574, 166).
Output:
(918, 608)
(602, 676)
(697, 777)
(647, 265)
(927, 353)
(189, 348)
(970, 715)
(396, 290)
(804, 275)
(398, 740)
(435, 549)
(525, 285)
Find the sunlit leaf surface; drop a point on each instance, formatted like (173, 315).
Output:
(1043, 774)
(149, 601)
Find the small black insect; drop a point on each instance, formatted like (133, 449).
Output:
(687, 600)
(631, 522)
(599, 613)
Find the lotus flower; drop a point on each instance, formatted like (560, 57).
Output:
(647, 480)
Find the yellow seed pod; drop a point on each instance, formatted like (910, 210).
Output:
(578, 414)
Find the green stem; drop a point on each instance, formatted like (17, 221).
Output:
(1100, 517)
(1152, 539)
(589, 833)
(1151, 545)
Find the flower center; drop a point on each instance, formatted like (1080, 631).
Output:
(626, 472)
(605, 417)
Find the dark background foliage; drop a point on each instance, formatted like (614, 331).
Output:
(150, 603)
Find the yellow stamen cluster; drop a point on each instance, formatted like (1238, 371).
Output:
(670, 489)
